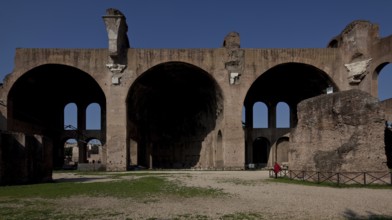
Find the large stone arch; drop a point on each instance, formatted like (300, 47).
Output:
(287, 82)
(36, 101)
(386, 104)
(171, 108)
(376, 74)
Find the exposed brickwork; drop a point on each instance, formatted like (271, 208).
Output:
(225, 79)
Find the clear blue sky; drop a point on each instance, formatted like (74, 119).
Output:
(186, 24)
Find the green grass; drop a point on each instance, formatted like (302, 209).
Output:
(142, 187)
(37, 209)
(39, 201)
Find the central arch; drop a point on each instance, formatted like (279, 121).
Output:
(172, 107)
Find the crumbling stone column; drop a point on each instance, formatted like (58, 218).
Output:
(117, 29)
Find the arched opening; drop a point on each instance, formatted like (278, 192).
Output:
(282, 115)
(261, 149)
(71, 154)
(219, 151)
(38, 104)
(71, 116)
(333, 44)
(384, 85)
(282, 88)
(93, 117)
(385, 82)
(94, 151)
(260, 115)
(172, 107)
(289, 83)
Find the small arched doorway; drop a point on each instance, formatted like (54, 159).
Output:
(71, 154)
(261, 150)
(218, 153)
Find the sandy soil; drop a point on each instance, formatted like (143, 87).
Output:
(249, 193)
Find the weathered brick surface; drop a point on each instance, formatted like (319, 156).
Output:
(338, 132)
(218, 83)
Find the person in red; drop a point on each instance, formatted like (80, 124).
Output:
(277, 169)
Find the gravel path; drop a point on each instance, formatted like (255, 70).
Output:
(250, 192)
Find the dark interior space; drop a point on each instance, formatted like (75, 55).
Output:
(289, 83)
(171, 109)
(36, 101)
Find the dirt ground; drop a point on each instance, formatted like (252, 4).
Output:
(250, 192)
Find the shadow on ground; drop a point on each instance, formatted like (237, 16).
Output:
(351, 215)
(81, 179)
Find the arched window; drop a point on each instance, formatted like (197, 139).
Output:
(71, 153)
(70, 116)
(260, 115)
(282, 115)
(219, 151)
(93, 117)
(385, 83)
(261, 148)
(94, 151)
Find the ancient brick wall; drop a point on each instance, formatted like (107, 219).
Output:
(339, 132)
(240, 77)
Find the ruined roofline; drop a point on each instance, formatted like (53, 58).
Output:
(355, 23)
(58, 48)
(114, 12)
(180, 50)
(117, 29)
(354, 26)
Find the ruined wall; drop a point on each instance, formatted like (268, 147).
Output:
(386, 105)
(24, 158)
(339, 132)
(347, 61)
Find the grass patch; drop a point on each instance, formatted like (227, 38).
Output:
(328, 184)
(38, 209)
(38, 201)
(143, 187)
